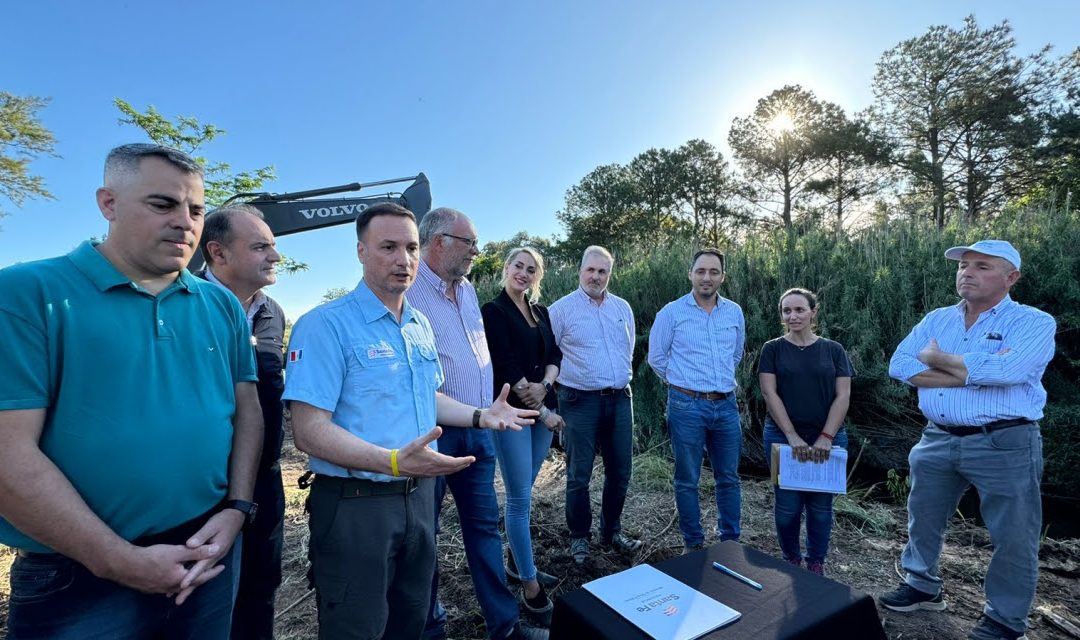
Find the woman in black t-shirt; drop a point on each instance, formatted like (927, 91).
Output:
(806, 381)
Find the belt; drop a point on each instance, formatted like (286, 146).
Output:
(177, 535)
(962, 430)
(608, 391)
(363, 488)
(703, 395)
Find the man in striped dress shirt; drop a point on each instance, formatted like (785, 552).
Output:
(978, 367)
(695, 344)
(594, 329)
(442, 292)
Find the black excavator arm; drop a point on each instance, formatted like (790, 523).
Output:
(288, 213)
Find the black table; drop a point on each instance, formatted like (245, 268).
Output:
(794, 603)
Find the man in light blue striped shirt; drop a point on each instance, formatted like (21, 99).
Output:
(594, 329)
(978, 367)
(443, 293)
(694, 346)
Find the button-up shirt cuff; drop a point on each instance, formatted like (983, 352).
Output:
(979, 367)
(905, 371)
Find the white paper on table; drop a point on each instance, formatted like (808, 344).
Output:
(826, 477)
(659, 605)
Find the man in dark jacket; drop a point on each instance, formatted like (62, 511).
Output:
(240, 256)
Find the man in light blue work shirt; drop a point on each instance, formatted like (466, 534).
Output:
(594, 328)
(361, 380)
(694, 346)
(978, 366)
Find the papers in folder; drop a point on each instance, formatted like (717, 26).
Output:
(660, 605)
(826, 477)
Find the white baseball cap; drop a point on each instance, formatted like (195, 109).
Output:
(996, 248)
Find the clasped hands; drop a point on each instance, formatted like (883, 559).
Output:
(818, 452)
(532, 395)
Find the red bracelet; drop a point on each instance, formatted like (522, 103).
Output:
(825, 435)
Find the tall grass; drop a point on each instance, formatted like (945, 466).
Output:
(873, 286)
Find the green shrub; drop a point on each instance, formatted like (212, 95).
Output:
(874, 285)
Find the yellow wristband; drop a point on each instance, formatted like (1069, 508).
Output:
(393, 463)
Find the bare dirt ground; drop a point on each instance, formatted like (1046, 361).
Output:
(867, 541)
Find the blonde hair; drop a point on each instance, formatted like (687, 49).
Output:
(534, 291)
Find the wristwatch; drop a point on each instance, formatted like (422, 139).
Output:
(476, 418)
(547, 386)
(243, 506)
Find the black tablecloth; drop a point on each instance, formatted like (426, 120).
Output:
(794, 603)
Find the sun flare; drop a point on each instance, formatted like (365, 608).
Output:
(782, 123)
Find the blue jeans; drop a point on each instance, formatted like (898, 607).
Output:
(520, 455)
(57, 598)
(697, 425)
(1006, 468)
(790, 506)
(473, 489)
(594, 423)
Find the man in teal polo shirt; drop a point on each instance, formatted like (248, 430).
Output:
(129, 422)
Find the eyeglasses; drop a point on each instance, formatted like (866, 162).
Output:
(472, 242)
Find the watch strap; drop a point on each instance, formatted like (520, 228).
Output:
(249, 509)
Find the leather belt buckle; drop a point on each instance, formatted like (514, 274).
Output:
(702, 395)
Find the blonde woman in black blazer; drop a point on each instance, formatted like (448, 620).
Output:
(524, 355)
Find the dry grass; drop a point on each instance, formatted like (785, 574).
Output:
(867, 540)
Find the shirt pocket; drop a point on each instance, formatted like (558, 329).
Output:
(378, 371)
(623, 327)
(723, 335)
(991, 342)
(426, 362)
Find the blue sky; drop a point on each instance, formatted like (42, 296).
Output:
(504, 105)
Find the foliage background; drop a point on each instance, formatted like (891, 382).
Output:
(874, 285)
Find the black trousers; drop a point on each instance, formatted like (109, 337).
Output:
(373, 557)
(260, 561)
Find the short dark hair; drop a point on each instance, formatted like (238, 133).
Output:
(126, 159)
(218, 225)
(707, 251)
(381, 209)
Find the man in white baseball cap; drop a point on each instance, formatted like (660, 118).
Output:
(978, 367)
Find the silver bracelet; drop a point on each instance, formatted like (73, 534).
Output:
(544, 413)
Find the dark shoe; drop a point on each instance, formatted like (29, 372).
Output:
(539, 608)
(579, 549)
(690, 548)
(523, 631)
(795, 562)
(990, 629)
(817, 568)
(908, 598)
(545, 579)
(622, 543)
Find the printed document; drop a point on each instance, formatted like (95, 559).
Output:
(826, 477)
(660, 605)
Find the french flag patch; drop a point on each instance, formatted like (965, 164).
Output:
(296, 355)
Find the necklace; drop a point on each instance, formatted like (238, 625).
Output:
(800, 347)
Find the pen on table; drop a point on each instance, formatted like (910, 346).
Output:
(737, 576)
